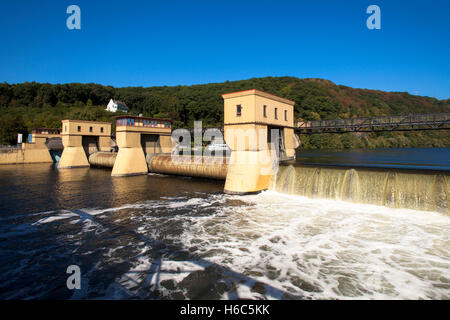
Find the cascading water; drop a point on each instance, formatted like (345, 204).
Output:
(418, 190)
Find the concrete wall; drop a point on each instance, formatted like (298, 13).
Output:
(11, 156)
(252, 103)
(29, 154)
(71, 127)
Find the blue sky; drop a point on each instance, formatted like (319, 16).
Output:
(155, 43)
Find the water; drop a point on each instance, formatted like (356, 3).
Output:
(422, 190)
(403, 158)
(162, 237)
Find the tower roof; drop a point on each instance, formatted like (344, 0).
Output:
(258, 93)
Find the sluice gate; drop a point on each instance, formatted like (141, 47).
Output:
(103, 159)
(205, 167)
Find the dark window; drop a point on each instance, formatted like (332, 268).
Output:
(285, 115)
(79, 128)
(238, 110)
(276, 111)
(90, 129)
(101, 129)
(265, 111)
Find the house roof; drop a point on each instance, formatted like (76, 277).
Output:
(120, 102)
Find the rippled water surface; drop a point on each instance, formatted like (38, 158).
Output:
(403, 158)
(160, 237)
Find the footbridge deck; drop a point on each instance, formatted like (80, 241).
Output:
(437, 121)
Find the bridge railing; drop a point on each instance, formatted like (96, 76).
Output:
(417, 119)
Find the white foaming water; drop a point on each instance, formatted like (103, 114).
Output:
(310, 248)
(327, 249)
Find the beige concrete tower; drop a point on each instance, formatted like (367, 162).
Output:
(80, 139)
(136, 137)
(252, 120)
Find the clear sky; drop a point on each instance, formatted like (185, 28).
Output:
(155, 43)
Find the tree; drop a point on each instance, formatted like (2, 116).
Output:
(10, 126)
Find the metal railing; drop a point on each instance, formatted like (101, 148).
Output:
(389, 122)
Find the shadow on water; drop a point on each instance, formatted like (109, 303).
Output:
(209, 283)
(117, 260)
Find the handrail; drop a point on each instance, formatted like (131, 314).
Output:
(415, 119)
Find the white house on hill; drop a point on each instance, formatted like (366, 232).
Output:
(114, 106)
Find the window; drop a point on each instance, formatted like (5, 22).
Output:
(276, 113)
(238, 110)
(285, 115)
(265, 111)
(79, 128)
(90, 129)
(101, 129)
(65, 128)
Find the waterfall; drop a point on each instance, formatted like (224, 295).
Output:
(411, 189)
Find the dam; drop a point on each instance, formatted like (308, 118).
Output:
(394, 188)
(259, 129)
(152, 223)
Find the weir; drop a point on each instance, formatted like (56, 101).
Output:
(250, 120)
(420, 190)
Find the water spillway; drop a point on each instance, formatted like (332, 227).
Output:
(102, 159)
(205, 167)
(393, 188)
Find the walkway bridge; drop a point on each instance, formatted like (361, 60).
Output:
(437, 121)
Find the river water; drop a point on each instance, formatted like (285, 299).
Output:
(166, 237)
